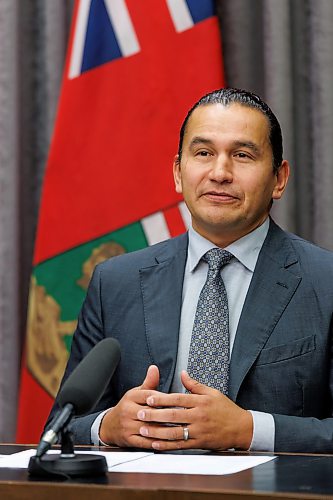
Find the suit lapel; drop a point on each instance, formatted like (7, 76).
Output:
(274, 282)
(161, 286)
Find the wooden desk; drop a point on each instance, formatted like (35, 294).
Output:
(289, 476)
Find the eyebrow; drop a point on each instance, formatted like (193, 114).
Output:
(248, 144)
(200, 140)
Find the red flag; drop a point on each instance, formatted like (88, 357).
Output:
(133, 70)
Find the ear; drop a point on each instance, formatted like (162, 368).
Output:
(282, 177)
(177, 175)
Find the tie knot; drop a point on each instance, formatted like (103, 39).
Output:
(217, 257)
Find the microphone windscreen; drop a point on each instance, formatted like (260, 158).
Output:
(86, 384)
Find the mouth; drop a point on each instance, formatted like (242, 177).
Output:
(220, 196)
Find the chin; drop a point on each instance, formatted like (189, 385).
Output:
(223, 219)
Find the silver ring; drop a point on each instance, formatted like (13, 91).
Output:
(186, 433)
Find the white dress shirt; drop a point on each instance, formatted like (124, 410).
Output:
(237, 277)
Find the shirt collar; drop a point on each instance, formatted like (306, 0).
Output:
(246, 249)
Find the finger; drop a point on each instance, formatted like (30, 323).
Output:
(165, 415)
(140, 396)
(138, 441)
(160, 399)
(165, 445)
(152, 378)
(163, 432)
(194, 386)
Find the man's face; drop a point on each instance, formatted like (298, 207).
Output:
(226, 173)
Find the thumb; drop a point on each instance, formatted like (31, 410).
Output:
(152, 378)
(193, 385)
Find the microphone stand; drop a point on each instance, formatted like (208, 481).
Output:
(67, 464)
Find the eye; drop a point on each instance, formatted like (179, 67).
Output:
(203, 153)
(243, 156)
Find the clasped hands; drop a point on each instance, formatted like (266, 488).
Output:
(146, 418)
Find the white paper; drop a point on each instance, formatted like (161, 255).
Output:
(21, 459)
(148, 462)
(192, 464)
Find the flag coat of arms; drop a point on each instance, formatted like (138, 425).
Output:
(133, 69)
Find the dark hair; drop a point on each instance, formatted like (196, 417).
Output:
(230, 95)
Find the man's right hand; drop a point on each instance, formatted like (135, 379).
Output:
(120, 425)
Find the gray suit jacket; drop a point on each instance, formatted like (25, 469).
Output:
(282, 356)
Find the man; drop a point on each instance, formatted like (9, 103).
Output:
(274, 289)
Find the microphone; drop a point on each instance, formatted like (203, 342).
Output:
(83, 389)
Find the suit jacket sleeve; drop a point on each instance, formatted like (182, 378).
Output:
(89, 332)
(282, 360)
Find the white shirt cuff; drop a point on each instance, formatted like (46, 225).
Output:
(263, 431)
(94, 431)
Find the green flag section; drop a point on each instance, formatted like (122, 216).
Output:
(57, 290)
(133, 69)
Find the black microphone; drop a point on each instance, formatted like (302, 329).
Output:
(83, 389)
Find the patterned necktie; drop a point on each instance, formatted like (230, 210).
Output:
(208, 360)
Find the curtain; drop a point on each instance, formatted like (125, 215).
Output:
(33, 39)
(281, 50)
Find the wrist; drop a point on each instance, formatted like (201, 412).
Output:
(245, 435)
(104, 434)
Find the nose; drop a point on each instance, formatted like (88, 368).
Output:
(221, 170)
